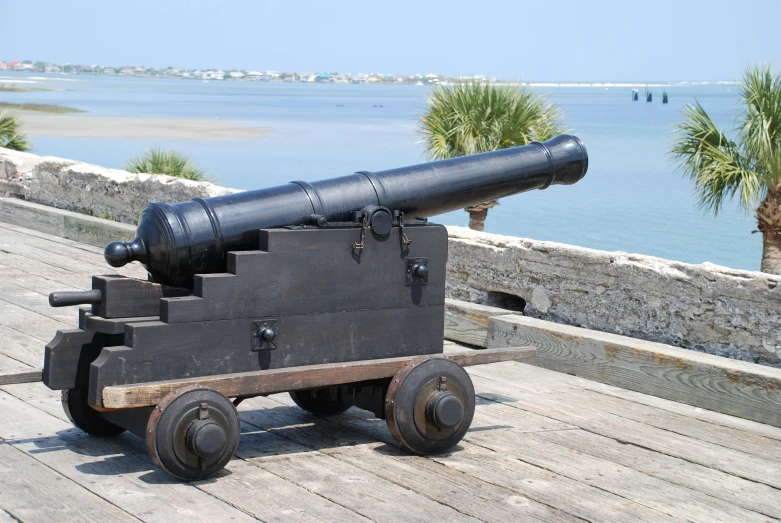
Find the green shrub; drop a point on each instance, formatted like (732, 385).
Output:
(162, 161)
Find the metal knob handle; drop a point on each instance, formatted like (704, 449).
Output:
(118, 254)
(67, 298)
(420, 270)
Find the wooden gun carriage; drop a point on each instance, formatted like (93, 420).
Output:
(333, 291)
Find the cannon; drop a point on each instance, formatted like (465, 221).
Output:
(332, 291)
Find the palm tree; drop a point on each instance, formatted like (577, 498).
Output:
(161, 161)
(472, 117)
(747, 168)
(11, 136)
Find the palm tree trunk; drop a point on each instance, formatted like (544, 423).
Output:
(769, 222)
(771, 253)
(478, 213)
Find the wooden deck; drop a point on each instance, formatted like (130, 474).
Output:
(543, 445)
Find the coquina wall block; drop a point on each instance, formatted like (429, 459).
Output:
(704, 307)
(108, 193)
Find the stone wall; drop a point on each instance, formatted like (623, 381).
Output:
(704, 307)
(89, 189)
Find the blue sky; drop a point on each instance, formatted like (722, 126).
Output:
(564, 40)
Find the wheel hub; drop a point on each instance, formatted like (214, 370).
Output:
(206, 438)
(445, 410)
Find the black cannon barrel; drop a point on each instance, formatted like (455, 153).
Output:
(177, 241)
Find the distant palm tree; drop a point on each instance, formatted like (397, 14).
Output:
(472, 117)
(11, 136)
(161, 161)
(748, 167)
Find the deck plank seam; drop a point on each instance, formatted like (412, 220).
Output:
(11, 515)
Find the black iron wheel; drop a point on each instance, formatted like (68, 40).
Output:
(319, 402)
(429, 405)
(193, 432)
(74, 403)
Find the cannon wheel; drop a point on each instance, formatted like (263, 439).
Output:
(429, 405)
(318, 404)
(193, 432)
(74, 403)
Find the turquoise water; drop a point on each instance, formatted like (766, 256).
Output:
(631, 199)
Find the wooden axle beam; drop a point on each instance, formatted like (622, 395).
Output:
(21, 376)
(293, 378)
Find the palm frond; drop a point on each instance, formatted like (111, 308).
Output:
(760, 124)
(11, 136)
(714, 163)
(472, 117)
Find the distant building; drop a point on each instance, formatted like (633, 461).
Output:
(236, 75)
(373, 78)
(109, 71)
(288, 77)
(3, 66)
(255, 75)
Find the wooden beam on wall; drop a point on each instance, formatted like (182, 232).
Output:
(65, 224)
(738, 388)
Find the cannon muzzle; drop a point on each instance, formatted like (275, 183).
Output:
(177, 241)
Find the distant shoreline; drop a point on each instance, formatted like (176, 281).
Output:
(72, 126)
(41, 79)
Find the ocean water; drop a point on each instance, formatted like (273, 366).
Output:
(631, 200)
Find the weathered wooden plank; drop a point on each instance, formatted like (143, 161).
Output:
(436, 482)
(21, 376)
(689, 411)
(71, 225)
(750, 443)
(747, 494)
(64, 277)
(602, 422)
(291, 378)
(268, 497)
(677, 501)
(37, 302)
(29, 322)
(732, 387)
(32, 492)
(566, 496)
(116, 469)
(352, 487)
(732, 489)
(469, 322)
(76, 257)
(21, 277)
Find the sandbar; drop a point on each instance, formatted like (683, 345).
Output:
(85, 126)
